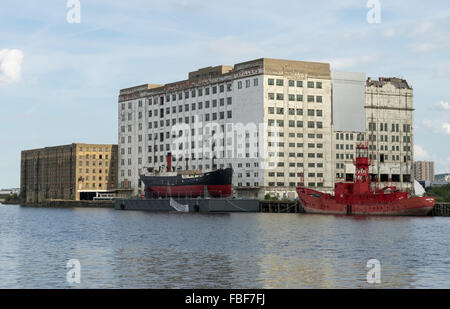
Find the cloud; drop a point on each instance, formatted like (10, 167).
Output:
(423, 27)
(389, 33)
(444, 106)
(446, 128)
(423, 48)
(437, 126)
(10, 65)
(234, 47)
(420, 153)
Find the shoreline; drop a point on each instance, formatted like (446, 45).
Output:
(65, 204)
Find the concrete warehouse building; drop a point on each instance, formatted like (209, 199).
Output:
(269, 119)
(71, 172)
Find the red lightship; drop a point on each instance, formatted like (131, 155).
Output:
(358, 197)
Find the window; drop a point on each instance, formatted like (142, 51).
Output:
(310, 98)
(271, 96)
(280, 82)
(319, 85)
(300, 84)
(280, 96)
(299, 98)
(292, 83)
(310, 84)
(271, 82)
(319, 99)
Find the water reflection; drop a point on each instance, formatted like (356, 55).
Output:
(147, 250)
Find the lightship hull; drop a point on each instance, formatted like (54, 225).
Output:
(316, 202)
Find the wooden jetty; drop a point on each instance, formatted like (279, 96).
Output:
(441, 210)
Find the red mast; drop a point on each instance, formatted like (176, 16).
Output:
(362, 164)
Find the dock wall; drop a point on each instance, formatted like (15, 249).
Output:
(195, 205)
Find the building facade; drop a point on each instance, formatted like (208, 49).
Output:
(268, 119)
(69, 172)
(271, 120)
(424, 171)
(389, 133)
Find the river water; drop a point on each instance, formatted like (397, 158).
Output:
(167, 250)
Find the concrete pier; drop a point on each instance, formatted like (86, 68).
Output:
(194, 205)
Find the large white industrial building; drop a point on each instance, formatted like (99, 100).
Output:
(271, 120)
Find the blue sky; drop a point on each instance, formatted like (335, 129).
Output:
(59, 82)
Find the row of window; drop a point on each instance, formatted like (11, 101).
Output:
(293, 111)
(294, 123)
(93, 171)
(293, 97)
(383, 127)
(94, 163)
(293, 184)
(293, 145)
(293, 83)
(349, 136)
(185, 120)
(394, 138)
(94, 157)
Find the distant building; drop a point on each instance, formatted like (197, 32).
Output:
(70, 172)
(9, 191)
(424, 171)
(442, 177)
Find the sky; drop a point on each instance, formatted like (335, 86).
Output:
(61, 72)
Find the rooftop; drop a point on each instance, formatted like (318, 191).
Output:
(399, 83)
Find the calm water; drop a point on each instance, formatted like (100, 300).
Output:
(147, 250)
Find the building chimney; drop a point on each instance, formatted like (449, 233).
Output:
(169, 162)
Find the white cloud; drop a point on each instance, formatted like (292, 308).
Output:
(423, 48)
(234, 47)
(444, 106)
(389, 33)
(10, 65)
(446, 127)
(420, 153)
(423, 27)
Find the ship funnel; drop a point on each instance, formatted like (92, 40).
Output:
(169, 162)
